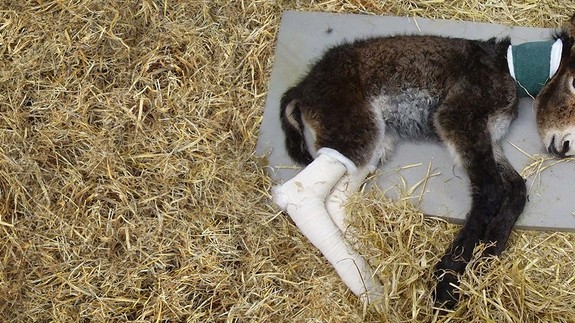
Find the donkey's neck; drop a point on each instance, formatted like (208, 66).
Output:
(533, 64)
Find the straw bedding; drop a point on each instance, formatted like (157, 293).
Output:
(129, 190)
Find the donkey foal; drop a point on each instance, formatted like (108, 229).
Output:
(345, 116)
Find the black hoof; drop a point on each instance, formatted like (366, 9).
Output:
(446, 296)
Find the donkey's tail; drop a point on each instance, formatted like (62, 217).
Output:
(293, 127)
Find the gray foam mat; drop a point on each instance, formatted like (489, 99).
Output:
(304, 36)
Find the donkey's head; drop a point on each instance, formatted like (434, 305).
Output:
(555, 104)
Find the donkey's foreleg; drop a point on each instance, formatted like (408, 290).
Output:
(473, 147)
(499, 228)
(498, 200)
(304, 199)
(456, 258)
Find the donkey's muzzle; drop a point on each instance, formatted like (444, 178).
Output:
(564, 146)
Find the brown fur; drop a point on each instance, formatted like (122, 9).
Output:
(457, 91)
(555, 105)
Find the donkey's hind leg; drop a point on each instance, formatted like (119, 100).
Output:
(335, 206)
(347, 186)
(304, 199)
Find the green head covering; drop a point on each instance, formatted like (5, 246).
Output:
(533, 64)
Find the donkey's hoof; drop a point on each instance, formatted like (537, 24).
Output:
(374, 293)
(446, 296)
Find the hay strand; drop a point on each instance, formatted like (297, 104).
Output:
(129, 190)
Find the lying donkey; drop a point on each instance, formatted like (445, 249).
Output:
(361, 98)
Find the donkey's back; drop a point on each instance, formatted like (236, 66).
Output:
(394, 86)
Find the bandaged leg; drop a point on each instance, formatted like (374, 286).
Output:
(341, 193)
(304, 199)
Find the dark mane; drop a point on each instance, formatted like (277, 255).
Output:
(567, 40)
(497, 49)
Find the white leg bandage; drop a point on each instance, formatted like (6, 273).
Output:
(336, 201)
(304, 199)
